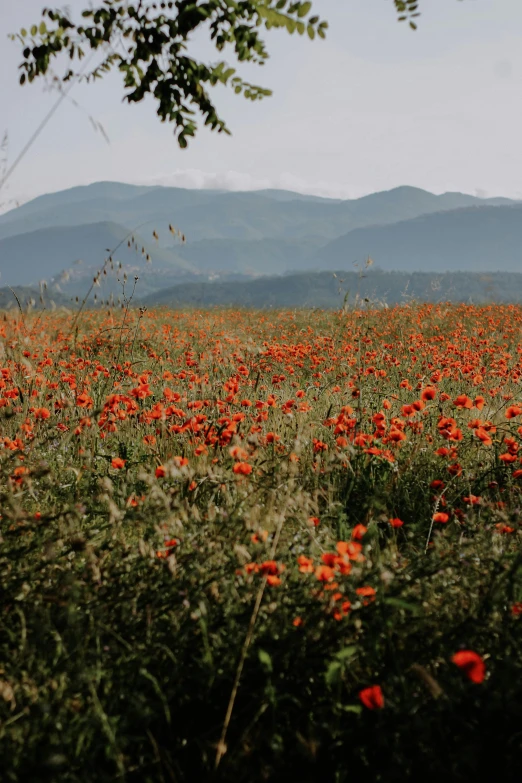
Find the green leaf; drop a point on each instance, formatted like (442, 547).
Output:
(157, 63)
(355, 708)
(399, 603)
(335, 668)
(346, 653)
(265, 660)
(333, 674)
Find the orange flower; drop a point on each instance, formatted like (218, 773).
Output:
(455, 469)
(463, 401)
(259, 537)
(358, 532)
(396, 522)
(84, 401)
(484, 436)
(471, 664)
(502, 528)
(429, 393)
(242, 469)
(324, 573)
(306, 564)
(366, 591)
(118, 463)
(319, 445)
(372, 697)
(269, 567)
(161, 471)
(441, 516)
(238, 453)
(351, 549)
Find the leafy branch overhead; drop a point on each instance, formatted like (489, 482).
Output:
(148, 43)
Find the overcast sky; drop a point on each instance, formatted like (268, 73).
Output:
(374, 106)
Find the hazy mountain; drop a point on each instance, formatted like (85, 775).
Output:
(330, 290)
(476, 239)
(253, 257)
(26, 259)
(255, 233)
(290, 195)
(34, 298)
(211, 214)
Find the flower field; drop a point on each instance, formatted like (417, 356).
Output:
(242, 546)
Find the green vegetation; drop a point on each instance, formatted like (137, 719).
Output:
(240, 546)
(156, 61)
(341, 289)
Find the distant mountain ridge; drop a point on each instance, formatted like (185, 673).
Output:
(472, 239)
(209, 214)
(252, 233)
(57, 249)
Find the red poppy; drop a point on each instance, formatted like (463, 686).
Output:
(471, 664)
(372, 697)
(463, 401)
(429, 393)
(366, 591)
(358, 532)
(242, 468)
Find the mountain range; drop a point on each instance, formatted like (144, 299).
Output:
(65, 237)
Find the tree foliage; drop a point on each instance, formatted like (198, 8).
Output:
(149, 42)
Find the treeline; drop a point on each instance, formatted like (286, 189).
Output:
(330, 290)
(324, 290)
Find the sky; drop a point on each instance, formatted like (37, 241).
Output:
(374, 106)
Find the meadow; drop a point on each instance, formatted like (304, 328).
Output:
(261, 546)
